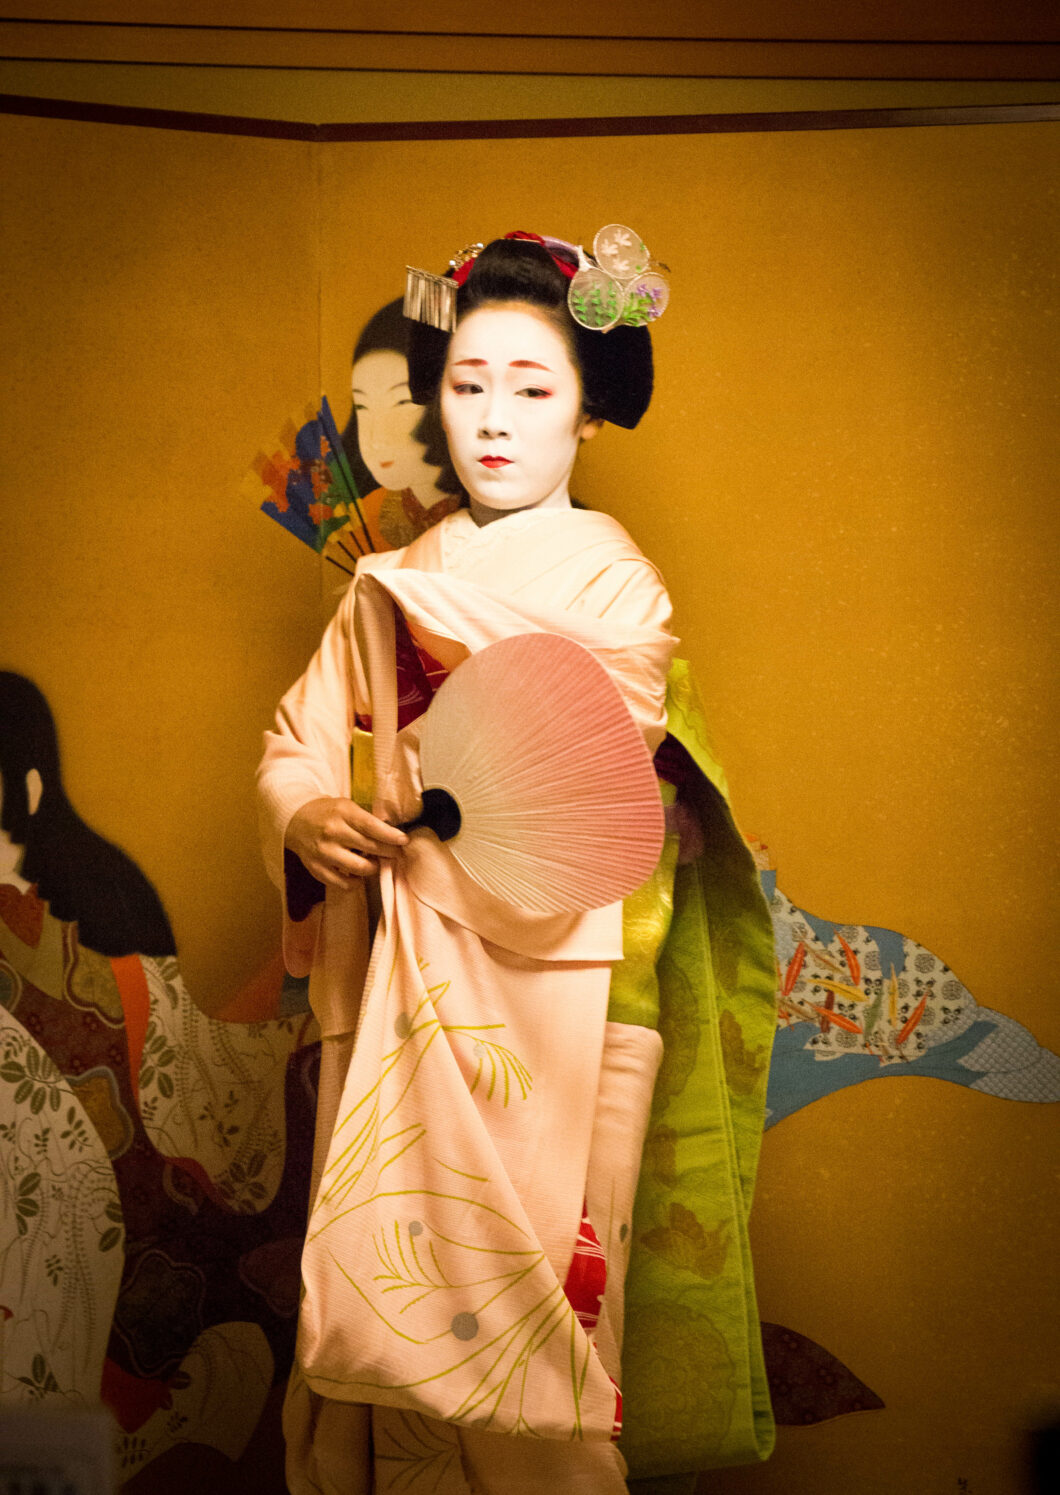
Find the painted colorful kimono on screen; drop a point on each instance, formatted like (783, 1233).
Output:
(153, 1161)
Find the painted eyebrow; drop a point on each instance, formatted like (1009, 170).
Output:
(516, 363)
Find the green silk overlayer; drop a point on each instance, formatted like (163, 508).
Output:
(699, 967)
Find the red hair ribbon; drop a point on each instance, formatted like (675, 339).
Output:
(461, 273)
(568, 269)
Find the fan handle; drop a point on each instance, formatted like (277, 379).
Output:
(440, 813)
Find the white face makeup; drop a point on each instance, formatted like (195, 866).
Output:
(512, 409)
(386, 419)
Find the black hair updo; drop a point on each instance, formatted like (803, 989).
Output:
(615, 367)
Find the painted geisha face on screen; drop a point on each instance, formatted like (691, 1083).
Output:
(396, 449)
(512, 410)
(388, 421)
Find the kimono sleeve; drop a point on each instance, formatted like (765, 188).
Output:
(307, 752)
(631, 594)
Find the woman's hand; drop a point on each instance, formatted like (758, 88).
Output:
(335, 840)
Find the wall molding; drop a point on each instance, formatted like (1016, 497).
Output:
(523, 129)
(1018, 56)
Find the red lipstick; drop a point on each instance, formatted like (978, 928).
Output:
(495, 461)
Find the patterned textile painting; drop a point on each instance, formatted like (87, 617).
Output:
(860, 1003)
(154, 1162)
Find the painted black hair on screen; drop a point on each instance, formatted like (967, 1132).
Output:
(387, 331)
(616, 366)
(83, 878)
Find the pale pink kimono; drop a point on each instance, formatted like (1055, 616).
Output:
(474, 1098)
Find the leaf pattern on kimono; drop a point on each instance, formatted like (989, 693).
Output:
(745, 1067)
(213, 1092)
(685, 1243)
(499, 1064)
(679, 1030)
(458, 1276)
(60, 1229)
(412, 1453)
(660, 1155)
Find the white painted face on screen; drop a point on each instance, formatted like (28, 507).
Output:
(511, 402)
(386, 421)
(11, 854)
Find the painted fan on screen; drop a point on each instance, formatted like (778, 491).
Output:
(537, 778)
(309, 488)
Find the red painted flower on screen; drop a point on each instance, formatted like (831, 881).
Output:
(273, 472)
(320, 477)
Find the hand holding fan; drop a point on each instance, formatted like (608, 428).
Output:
(536, 777)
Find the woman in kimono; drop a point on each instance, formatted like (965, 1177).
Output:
(479, 1144)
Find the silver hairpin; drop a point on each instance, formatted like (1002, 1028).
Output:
(430, 298)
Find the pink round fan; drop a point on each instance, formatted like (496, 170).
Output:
(536, 777)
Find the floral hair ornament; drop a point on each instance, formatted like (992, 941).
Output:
(625, 287)
(620, 285)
